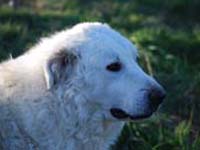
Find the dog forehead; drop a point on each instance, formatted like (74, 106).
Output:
(104, 41)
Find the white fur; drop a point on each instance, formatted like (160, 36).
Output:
(73, 114)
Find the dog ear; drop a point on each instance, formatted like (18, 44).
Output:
(58, 67)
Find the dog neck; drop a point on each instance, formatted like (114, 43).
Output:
(83, 125)
(65, 120)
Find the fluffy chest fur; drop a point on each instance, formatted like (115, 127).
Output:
(71, 126)
(75, 132)
(43, 123)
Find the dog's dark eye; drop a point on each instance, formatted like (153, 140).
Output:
(114, 67)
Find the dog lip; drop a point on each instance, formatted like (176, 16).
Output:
(139, 117)
(119, 113)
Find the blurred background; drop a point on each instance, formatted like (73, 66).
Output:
(167, 34)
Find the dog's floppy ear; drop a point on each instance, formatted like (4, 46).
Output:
(58, 67)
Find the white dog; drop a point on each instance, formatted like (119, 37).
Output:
(74, 91)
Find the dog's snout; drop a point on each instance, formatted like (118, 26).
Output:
(156, 96)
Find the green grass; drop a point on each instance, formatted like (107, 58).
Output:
(167, 34)
(158, 134)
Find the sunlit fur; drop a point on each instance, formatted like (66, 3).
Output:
(72, 112)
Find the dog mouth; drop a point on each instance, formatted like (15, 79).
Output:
(122, 115)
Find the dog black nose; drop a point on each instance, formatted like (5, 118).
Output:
(156, 97)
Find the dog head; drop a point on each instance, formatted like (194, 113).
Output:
(106, 62)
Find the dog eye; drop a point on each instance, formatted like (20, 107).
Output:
(114, 67)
